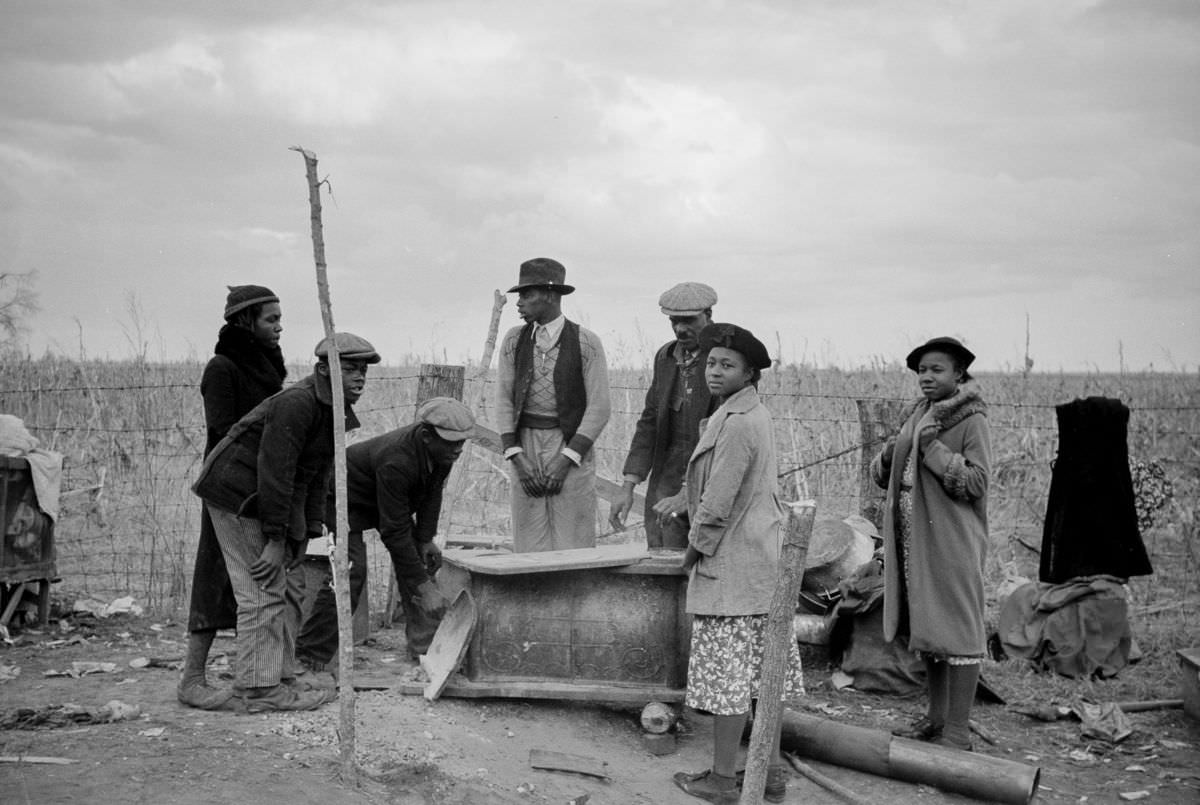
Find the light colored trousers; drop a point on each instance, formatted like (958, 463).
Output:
(268, 617)
(565, 520)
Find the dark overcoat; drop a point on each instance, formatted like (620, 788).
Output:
(239, 376)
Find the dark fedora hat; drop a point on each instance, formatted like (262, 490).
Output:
(943, 343)
(542, 272)
(739, 339)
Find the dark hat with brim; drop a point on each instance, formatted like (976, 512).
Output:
(542, 272)
(350, 347)
(944, 343)
(739, 339)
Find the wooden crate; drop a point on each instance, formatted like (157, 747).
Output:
(1189, 671)
(600, 624)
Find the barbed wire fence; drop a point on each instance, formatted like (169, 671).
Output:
(132, 435)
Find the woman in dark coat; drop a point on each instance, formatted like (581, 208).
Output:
(935, 535)
(246, 368)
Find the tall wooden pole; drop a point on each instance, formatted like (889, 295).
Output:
(340, 555)
(777, 639)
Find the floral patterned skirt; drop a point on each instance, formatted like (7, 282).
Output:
(726, 664)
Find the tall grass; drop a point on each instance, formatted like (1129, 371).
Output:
(132, 435)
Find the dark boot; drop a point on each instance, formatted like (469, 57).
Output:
(957, 732)
(929, 727)
(193, 689)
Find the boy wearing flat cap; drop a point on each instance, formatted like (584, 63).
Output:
(264, 487)
(669, 427)
(551, 405)
(394, 484)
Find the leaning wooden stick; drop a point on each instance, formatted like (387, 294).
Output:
(825, 781)
(777, 645)
(340, 556)
(489, 346)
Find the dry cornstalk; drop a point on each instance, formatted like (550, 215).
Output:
(339, 555)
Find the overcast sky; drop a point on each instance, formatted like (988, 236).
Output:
(852, 177)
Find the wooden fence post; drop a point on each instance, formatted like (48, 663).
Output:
(877, 420)
(434, 380)
(777, 639)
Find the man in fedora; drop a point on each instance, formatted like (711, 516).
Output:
(394, 484)
(264, 486)
(669, 427)
(551, 405)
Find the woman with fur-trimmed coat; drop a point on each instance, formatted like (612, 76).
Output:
(935, 535)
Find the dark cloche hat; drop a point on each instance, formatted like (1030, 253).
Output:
(350, 347)
(739, 339)
(943, 343)
(542, 272)
(243, 296)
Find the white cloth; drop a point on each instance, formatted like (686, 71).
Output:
(45, 466)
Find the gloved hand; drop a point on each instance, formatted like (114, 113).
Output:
(430, 601)
(927, 430)
(889, 451)
(431, 557)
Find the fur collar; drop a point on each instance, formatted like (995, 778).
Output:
(954, 409)
(238, 344)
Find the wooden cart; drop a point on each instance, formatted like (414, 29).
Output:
(27, 559)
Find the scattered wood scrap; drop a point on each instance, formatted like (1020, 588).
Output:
(560, 761)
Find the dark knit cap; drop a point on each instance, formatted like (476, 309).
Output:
(243, 296)
(739, 339)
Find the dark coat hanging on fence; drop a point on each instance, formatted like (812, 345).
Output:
(240, 375)
(1091, 523)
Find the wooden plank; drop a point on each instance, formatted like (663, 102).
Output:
(504, 563)
(611, 491)
(449, 644)
(462, 688)
(493, 541)
(560, 761)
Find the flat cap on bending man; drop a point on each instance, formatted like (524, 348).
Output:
(551, 405)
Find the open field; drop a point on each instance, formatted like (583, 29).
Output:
(132, 436)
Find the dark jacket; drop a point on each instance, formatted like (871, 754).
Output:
(652, 435)
(239, 376)
(391, 485)
(1091, 523)
(274, 464)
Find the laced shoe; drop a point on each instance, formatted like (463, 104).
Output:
(280, 698)
(710, 786)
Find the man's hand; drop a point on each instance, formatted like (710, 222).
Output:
(889, 450)
(621, 507)
(671, 507)
(529, 475)
(690, 557)
(269, 564)
(430, 601)
(555, 474)
(296, 552)
(431, 557)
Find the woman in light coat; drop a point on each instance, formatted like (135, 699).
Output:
(935, 535)
(733, 557)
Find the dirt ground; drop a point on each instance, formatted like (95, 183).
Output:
(463, 751)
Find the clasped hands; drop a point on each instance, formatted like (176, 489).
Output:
(538, 481)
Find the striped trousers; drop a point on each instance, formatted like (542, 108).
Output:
(268, 615)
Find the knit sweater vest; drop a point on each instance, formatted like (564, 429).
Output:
(569, 391)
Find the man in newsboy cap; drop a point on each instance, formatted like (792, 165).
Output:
(264, 487)
(394, 484)
(551, 405)
(669, 427)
